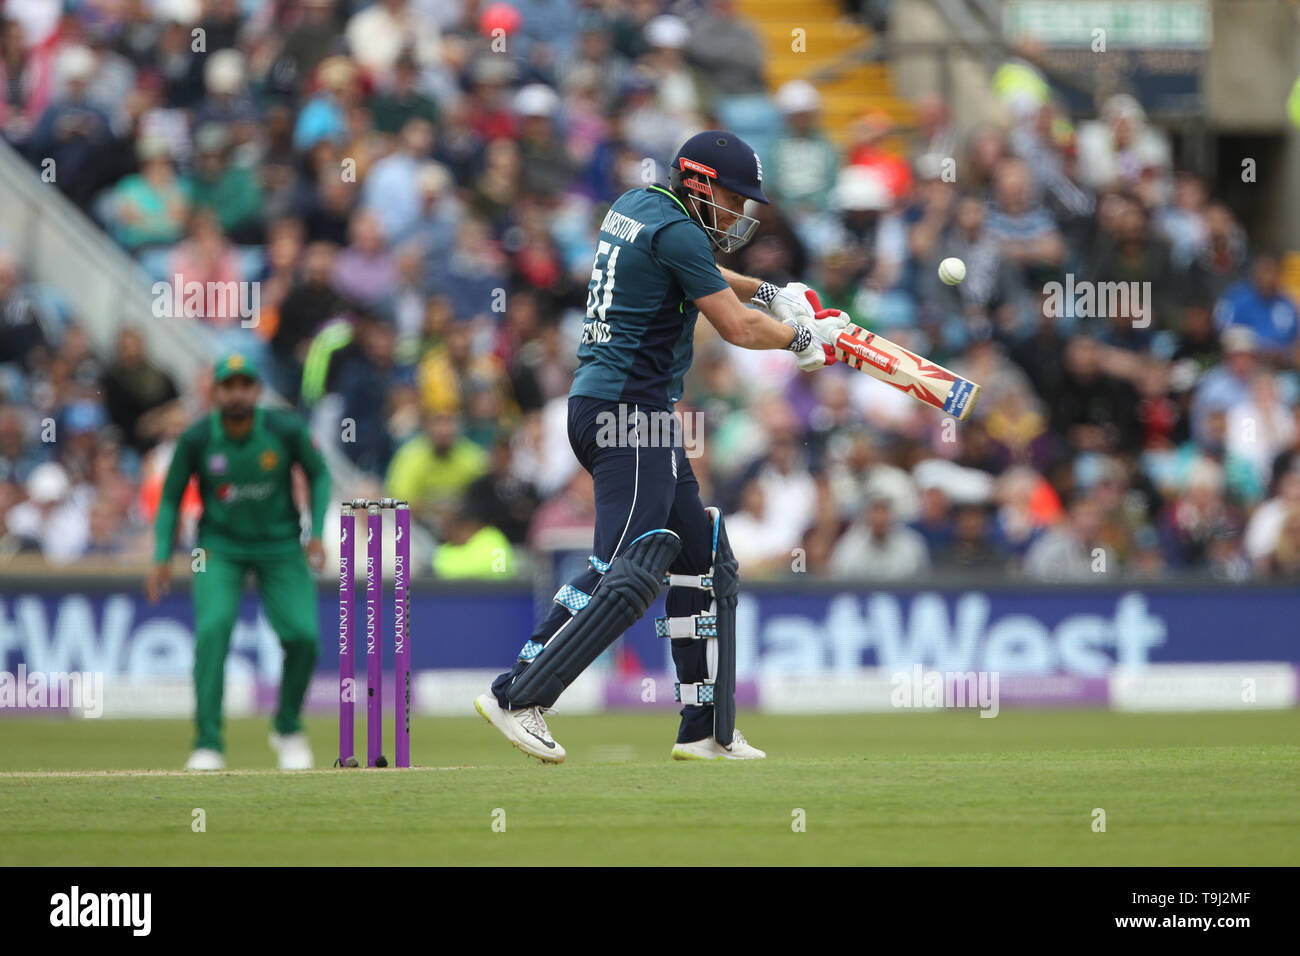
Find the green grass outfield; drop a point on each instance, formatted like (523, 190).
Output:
(936, 788)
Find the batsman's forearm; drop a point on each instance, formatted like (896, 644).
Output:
(743, 286)
(761, 331)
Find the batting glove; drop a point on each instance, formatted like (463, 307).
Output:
(810, 353)
(789, 304)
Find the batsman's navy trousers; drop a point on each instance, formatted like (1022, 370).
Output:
(642, 482)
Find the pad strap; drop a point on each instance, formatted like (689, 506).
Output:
(571, 598)
(702, 581)
(693, 626)
(699, 694)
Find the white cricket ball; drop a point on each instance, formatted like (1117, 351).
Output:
(951, 271)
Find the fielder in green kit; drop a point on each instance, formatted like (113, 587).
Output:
(242, 455)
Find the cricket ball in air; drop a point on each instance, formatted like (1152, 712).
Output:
(951, 271)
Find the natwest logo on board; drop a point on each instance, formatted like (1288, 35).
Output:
(896, 631)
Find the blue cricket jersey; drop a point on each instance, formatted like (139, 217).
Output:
(652, 261)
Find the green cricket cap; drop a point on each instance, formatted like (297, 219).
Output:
(235, 363)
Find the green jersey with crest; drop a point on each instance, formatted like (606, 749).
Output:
(246, 486)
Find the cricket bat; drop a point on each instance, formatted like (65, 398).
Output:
(894, 365)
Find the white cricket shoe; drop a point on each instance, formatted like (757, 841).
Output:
(206, 759)
(525, 728)
(293, 750)
(710, 749)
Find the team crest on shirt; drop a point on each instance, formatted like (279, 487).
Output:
(217, 464)
(269, 460)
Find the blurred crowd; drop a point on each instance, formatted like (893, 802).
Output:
(415, 187)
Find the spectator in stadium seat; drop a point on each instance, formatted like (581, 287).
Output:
(726, 51)
(677, 87)
(324, 115)
(22, 340)
(460, 147)
(380, 32)
(1223, 260)
(789, 491)
(646, 127)
(311, 39)
(207, 256)
(488, 104)
(396, 106)
(369, 378)
(1260, 305)
(72, 130)
(875, 237)
(52, 521)
(107, 533)
(474, 271)
(804, 163)
(448, 372)
(19, 454)
(391, 190)
(1026, 234)
(227, 102)
(1227, 384)
(494, 191)
(1133, 253)
(26, 83)
(500, 498)
(152, 207)
(545, 167)
(868, 148)
(1182, 220)
(877, 547)
(972, 547)
(1264, 529)
(551, 24)
(309, 304)
(1198, 342)
(433, 469)
(1068, 551)
(567, 513)
(1115, 150)
(176, 59)
(957, 226)
(749, 531)
(1095, 411)
(935, 522)
(1193, 519)
(594, 53)
(1284, 561)
(327, 208)
(230, 190)
(220, 24)
(136, 392)
(1027, 505)
(1260, 428)
(472, 549)
(365, 272)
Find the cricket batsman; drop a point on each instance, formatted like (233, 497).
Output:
(654, 273)
(242, 455)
